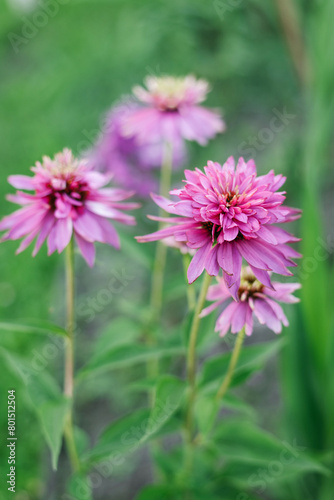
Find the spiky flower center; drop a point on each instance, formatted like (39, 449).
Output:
(65, 183)
(169, 93)
(249, 285)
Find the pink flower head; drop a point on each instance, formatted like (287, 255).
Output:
(171, 112)
(227, 213)
(69, 197)
(254, 298)
(130, 163)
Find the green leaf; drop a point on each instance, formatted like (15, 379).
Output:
(158, 492)
(50, 405)
(252, 359)
(242, 442)
(125, 356)
(121, 331)
(205, 412)
(81, 439)
(122, 437)
(168, 396)
(52, 416)
(32, 327)
(79, 487)
(129, 433)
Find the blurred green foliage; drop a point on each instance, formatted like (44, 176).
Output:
(58, 77)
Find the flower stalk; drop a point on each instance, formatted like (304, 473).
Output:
(69, 357)
(191, 376)
(191, 294)
(161, 251)
(191, 357)
(232, 365)
(160, 259)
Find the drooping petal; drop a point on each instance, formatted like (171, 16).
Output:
(63, 229)
(225, 318)
(198, 262)
(266, 315)
(87, 249)
(239, 317)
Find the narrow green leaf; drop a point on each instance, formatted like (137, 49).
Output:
(127, 355)
(129, 433)
(32, 327)
(167, 400)
(241, 441)
(158, 492)
(82, 440)
(121, 437)
(251, 359)
(120, 331)
(53, 416)
(50, 405)
(79, 487)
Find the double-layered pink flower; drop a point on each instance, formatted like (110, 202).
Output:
(68, 198)
(228, 213)
(131, 163)
(254, 300)
(171, 112)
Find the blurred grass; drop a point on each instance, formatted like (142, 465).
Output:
(53, 93)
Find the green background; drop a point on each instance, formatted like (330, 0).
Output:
(59, 73)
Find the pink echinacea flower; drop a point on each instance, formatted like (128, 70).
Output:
(68, 198)
(254, 299)
(132, 164)
(228, 213)
(171, 112)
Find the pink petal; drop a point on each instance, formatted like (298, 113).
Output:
(262, 276)
(197, 263)
(239, 317)
(87, 249)
(211, 264)
(21, 182)
(224, 320)
(266, 315)
(63, 229)
(46, 227)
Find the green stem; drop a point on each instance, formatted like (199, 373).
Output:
(69, 356)
(191, 375)
(161, 251)
(191, 294)
(160, 261)
(233, 362)
(225, 385)
(191, 355)
(294, 38)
